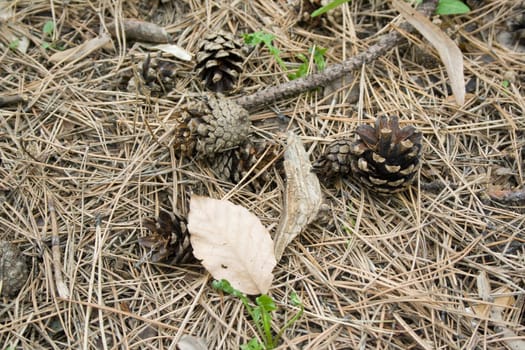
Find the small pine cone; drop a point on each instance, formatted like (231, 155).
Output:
(217, 125)
(157, 75)
(336, 160)
(219, 61)
(234, 164)
(385, 158)
(169, 239)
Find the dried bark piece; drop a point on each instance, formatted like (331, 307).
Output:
(302, 197)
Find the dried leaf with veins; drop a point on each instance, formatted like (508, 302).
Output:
(232, 243)
(302, 198)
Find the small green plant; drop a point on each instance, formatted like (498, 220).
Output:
(318, 57)
(266, 39)
(13, 45)
(330, 6)
(261, 314)
(48, 32)
(444, 7)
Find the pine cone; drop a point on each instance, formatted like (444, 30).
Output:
(385, 158)
(169, 239)
(336, 160)
(216, 125)
(219, 61)
(157, 75)
(234, 164)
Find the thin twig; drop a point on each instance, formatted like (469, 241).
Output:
(295, 87)
(62, 289)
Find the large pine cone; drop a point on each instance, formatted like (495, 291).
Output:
(216, 125)
(219, 61)
(385, 158)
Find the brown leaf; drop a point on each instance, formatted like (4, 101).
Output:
(302, 196)
(232, 243)
(448, 50)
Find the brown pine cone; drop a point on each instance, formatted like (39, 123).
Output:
(234, 164)
(216, 125)
(156, 75)
(219, 61)
(384, 159)
(169, 240)
(336, 160)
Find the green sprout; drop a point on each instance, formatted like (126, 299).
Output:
(319, 60)
(266, 39)
(48, 32)
(13, 45)
(444, 7)
(261, 314)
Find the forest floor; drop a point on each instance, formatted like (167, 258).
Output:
(86, 160)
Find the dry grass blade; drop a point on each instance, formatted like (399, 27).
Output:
(449, 52)
(80, 51)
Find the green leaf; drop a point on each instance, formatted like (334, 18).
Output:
(319, 60)
(451, 7)
(259, 37)
(295, 299)
(267, 39)
(266, 302)
(328, 7)
(253, 344)
(49, 28)
(46, 45)
(13, 45)
(505, 83)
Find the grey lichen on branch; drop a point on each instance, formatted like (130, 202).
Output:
(295, 87)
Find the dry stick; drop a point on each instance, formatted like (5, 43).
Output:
(62, 289)
(295, 87)
(11, 100)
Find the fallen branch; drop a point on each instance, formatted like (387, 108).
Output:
(295, 87)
